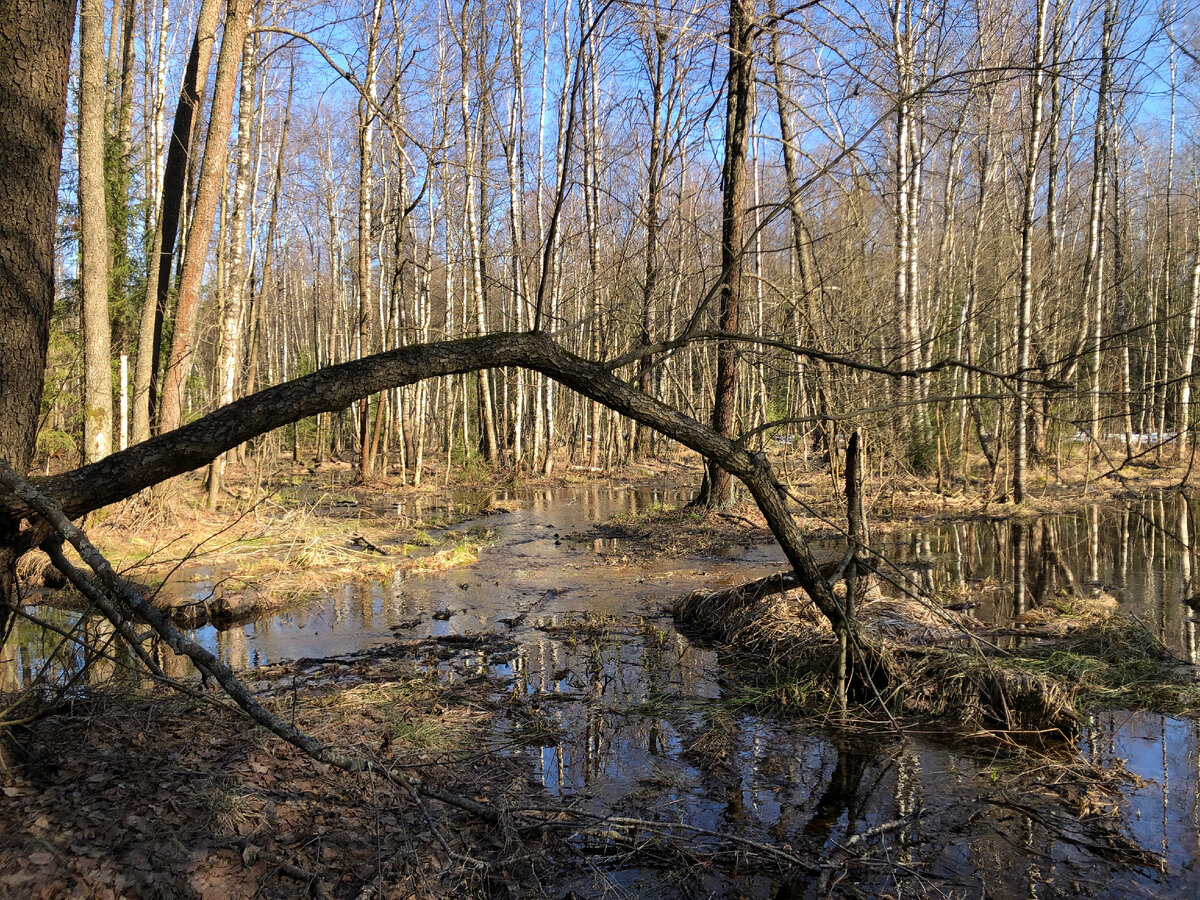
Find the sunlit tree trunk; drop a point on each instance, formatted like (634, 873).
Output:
(900, 212)
(180, 147)
(216, 154)
(591, 213)
(654, 43)
(94, 235)
(514, 155)
(1094, 263)
(1184, 425)
(366, 162)
(1162, 314)
(472, 225)
(266, 283)
(738, 120)
(230, 348)
(1033, 149)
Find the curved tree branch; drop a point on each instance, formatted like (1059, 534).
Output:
(337, 387)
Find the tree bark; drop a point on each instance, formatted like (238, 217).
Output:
(366, 161)
(1184, 423)
(121, 150)
(216, 155)
(230, 350)
(656, 51)
(35, 44)
(1025, 303)
(35, 39)
(1093, 269)
(93, 236)
(738, 115)
(180, 148)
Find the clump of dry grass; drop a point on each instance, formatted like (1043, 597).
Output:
(35, 570)
(982, 692)
(910, 656)
(1068, 612)
(1114, 661)
(462, 554)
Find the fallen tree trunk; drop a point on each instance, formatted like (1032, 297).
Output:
(337, 387)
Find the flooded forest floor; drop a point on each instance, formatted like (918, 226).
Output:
(514, 642)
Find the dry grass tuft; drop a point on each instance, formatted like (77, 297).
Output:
(462, 554)
(923, 661)
(34, 569)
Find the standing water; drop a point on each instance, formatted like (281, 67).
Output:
(632, 718)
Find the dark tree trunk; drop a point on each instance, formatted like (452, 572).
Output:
(216, 155)
(162, 251)
(718, 490)
(655, 175)
(35, 45)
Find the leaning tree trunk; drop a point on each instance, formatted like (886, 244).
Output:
(180, 147)
(337, 387)
(216, 155)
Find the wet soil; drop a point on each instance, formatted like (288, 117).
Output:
(546, 670)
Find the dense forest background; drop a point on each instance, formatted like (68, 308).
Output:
(968, 226)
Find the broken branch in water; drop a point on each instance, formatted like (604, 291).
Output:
(208, 664)
(114, 594)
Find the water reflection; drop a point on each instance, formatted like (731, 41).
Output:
(1140, 553)
(637, 723)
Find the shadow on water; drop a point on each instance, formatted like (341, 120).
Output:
(616, 711)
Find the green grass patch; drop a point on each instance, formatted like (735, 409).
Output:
(1114, 662)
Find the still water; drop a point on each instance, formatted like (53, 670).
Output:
(637, 723)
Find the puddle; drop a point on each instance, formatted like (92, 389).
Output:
(614, 710)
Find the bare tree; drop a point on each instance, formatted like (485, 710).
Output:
(739, 114)
(230, 347)
(216, 145)
(1033, 149)
(180, 148)
(94, 235)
